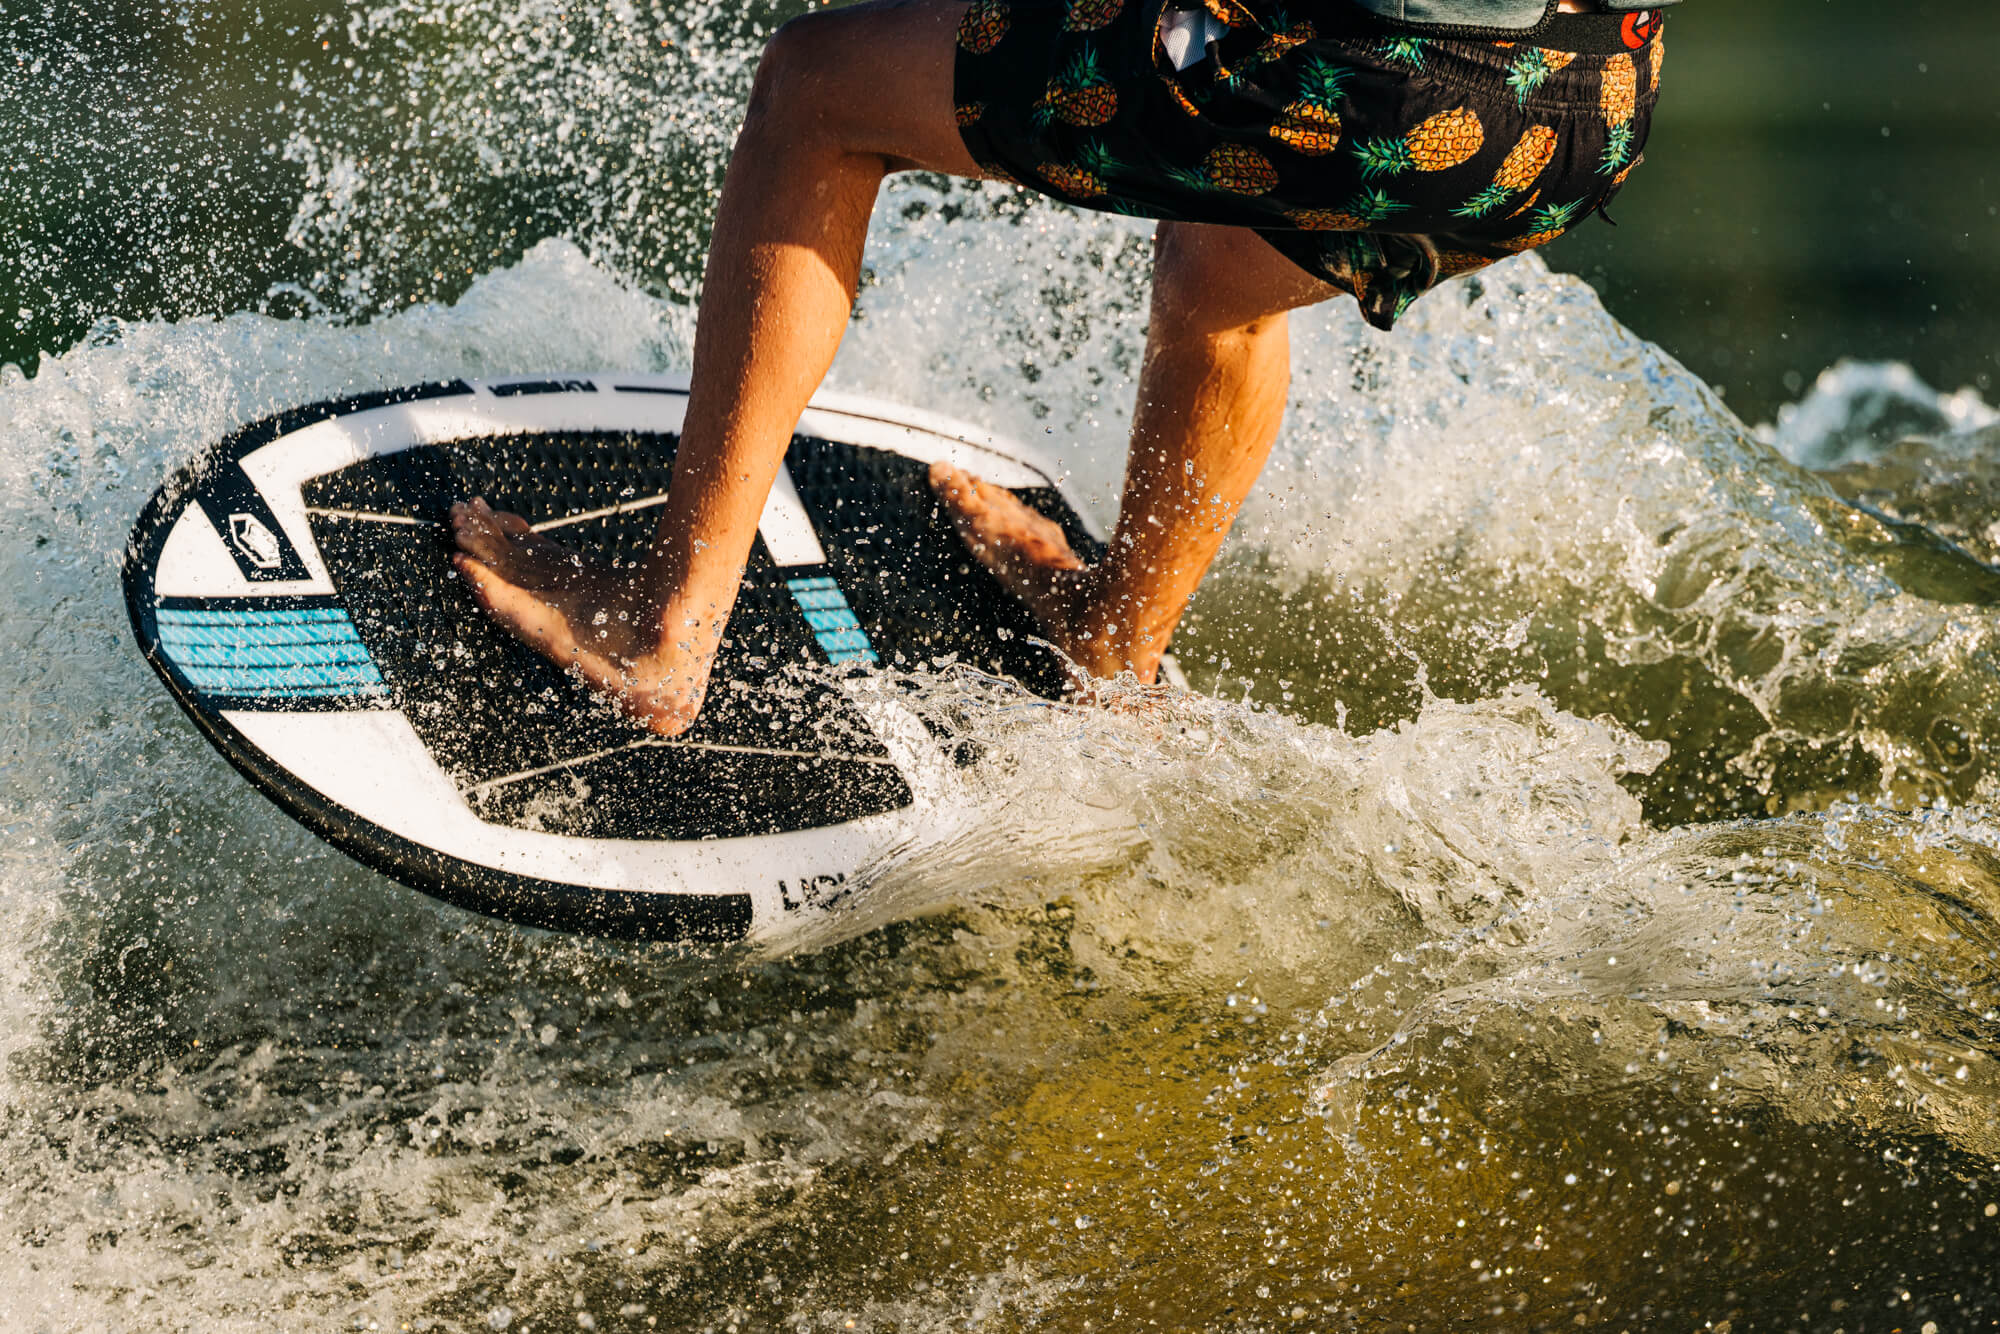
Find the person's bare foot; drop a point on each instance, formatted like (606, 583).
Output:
(596, 621)
(1032, 559)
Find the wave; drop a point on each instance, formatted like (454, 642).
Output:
(1577, 855)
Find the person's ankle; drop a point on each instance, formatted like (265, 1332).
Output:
(1108, 642)
(681, 633)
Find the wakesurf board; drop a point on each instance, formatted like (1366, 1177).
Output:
(293, 589)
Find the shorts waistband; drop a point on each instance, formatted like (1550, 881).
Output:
(1599, 34)
(1603, 34)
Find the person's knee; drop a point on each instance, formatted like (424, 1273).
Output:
(1227, 282)
(1197, 287)
(786, 96)
(1181, 260)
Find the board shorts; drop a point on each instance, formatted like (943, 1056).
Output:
(1379, 161)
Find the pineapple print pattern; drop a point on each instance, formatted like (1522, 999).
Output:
(1457, 263)
(1444, 141)
(1231, 168)
(1310, 125)
(984, 24)
(1278, 35)
(1524, 165)
(1180, 99)
(1544, 226)
(1379, 182)
(1232, 12)
(1242, 170)
(1619, 102)
(1370, 208)
(1532, 68)
(1081, 95)
(1285, 35)
(1086, 175)
(1405, 51)
(1090, 15)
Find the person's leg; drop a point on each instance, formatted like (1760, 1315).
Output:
(841, 99)
(1211, 395)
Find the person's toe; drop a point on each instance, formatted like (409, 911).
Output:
(468, 516)
(476, 573)
(481, 540)
(958, 488)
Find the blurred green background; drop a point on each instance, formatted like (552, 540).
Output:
(1821, 181)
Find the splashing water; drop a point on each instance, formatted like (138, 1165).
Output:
(1570, 898)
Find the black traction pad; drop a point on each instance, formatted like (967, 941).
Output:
(774, 749)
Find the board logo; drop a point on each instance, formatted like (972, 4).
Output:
(819, 891)
(258, 544)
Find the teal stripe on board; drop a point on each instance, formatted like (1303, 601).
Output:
(232, 616)
(833, 622)
(357, 681)
(358, 675)
(847, 646)
(815, 598)
(274, 634)
(266, 655)
(287, 692)
(289, 653)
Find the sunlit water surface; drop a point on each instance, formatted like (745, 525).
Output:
(1569, 901)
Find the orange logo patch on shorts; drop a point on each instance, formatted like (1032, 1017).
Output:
(1641, 26)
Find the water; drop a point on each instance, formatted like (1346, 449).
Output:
(1573, 899)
